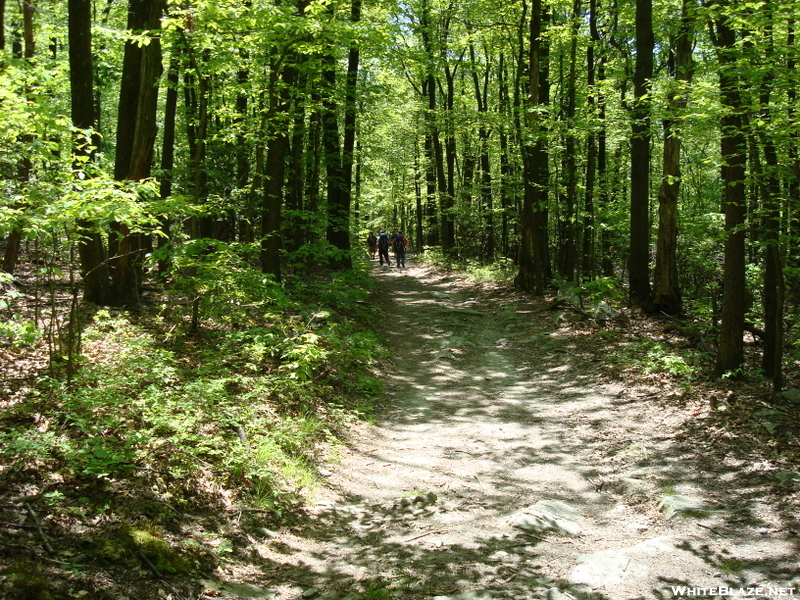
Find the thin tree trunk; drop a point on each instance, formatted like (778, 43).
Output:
(505, 167)
(168, 158)
(588, 251)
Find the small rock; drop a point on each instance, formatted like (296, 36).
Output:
(673, 504)
(268, 533)
(549, 515)
(311, 593)
(556, 594)
(353, 596)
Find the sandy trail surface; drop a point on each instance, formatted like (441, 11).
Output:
(500, 465)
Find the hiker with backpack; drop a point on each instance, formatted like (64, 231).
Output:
(383, 247)
(372, 245)
(399, 243)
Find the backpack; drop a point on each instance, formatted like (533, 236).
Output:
(371, 239)
(399, 242)
(383, 241)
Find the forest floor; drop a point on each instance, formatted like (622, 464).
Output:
(522, 448)
(516, 456)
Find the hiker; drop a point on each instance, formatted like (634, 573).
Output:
(372, 244)
(399, 243)
(383, 247)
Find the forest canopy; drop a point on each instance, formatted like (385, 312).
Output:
(651, 145)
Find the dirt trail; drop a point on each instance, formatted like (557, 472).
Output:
(489, 410)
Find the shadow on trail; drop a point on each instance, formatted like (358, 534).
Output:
(421, 566)
(490, 409)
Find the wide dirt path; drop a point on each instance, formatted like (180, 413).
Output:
(500, 466)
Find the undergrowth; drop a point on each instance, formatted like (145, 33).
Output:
(235, 415)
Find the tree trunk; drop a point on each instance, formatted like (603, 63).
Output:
(168, 159)
(639, 255)
(274, 171)
(533, 222)
(91, 250)
(730, 353)
(570, 175)
(296, 176)
(448, 218)
(666, 287)
(771, 223)
(505, 166)
(337, 195)
(2, 25)
(350, 113)
(136, 134)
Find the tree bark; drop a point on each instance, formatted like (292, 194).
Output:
(771, 223)
(730, 353)
(337, 195)
(91, 250)
(639, 254)
(136, 134)
(666, 286)
(533, 259)
(168, 157)
(277, 147)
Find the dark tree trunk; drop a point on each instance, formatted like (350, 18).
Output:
(274, 172)
(313, 164)
(136, 134)
(168, 157)
(639, 254)
(2, 25)
(771, 223)
(420, 209)
(730, 353)
(239, 221)
(533, 259)
(600, 238)
(338, 198)
(94, 268)
(485, 176)
(350, 112)
(434, 163)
